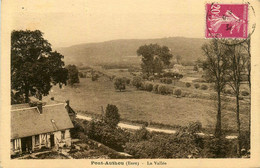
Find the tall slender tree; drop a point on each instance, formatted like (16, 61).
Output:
(216, 67)
(237, 66)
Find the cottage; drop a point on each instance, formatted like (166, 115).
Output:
(41, 126)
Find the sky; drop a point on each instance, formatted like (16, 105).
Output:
(65, 23)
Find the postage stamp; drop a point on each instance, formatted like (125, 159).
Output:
(226, 21)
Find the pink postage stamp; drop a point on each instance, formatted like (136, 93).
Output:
(226, 20)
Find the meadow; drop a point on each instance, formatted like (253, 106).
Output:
(138, 105)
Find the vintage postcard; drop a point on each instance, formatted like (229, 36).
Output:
(133, 83)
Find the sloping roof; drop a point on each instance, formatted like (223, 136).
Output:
(27, 121)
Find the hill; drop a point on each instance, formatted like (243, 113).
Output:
(122, 50)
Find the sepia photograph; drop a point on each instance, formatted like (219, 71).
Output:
(115, 82)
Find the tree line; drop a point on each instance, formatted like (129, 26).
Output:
(226, 62)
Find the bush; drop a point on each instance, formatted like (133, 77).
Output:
(244, 93)
(148, 86)
(166, 80)
(82, 75)
(155, 88)
(114, 137)
(164, 90)
(112, 117)
(169, 81)
(95, 77)
(196, 85)
(151, 78)
(127, 80)
(183, 144)
(177, 92)
(204, 87)
(119, 84)
(188, 85)
(137, 82)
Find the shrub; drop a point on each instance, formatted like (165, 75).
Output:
(204, 87)
(163, 89)
(119, 84)
(168, 81)
(148, 86)
(151, 78)
(188, 84)
(145, 76)
(196, 85)
(183, 144)
(137, 82)
(82, 75)
(95, 77)
(177, 92)
(127, 80)
(155, 88)
(114, 137)
(244, 93)
(112, 117)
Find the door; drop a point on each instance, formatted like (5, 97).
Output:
(52, 140)
(26, 144)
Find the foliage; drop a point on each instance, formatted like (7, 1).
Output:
(34, 66)
(155, 88)
(113, 137)
(127, 80)
(82, 75)
(174, 75)
(141, 135)
(94, 77)
(188, 85)
(137, 82)
(73, 74)
(120, 84)
(183, 144)
(204, 87)
(112, 117)
(154, 58)
(151, 78)
(196, 85)
(164, 89)
(148, 86)
(177, 92)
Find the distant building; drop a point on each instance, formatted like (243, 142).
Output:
(41, 126)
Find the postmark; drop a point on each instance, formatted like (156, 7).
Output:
(226, 21)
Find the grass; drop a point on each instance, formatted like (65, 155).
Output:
(141, 105)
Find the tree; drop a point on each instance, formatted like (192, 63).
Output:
(154, 58)
(216, 68)
(137, 82)
(34, 67)
(236, 61)
(73, 74)
(112, 117)
(120, 84)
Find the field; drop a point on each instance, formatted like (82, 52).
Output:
(136, 105)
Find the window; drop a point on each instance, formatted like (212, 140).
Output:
(37, 139)
(62, 134)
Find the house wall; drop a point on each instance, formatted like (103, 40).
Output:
(16, 146)
(44, 141)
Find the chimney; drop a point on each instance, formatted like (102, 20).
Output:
(39, 106)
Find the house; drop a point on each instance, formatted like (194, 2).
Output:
(40, 126)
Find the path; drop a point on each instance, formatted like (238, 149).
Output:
(135, 127)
